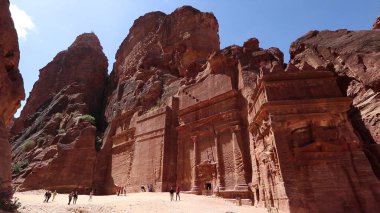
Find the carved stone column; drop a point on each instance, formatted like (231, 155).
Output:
(195, 187)
(240, 183)
(219, 181)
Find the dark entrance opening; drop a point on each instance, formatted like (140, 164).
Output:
(208, 186)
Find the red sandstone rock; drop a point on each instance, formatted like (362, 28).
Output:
(145, 79)
(158, 52)
(181, 111)
(159, 49)
(82, 62)
(57, 143)
(355, 57)
(11, 89)
(376, 25)
(306, 156)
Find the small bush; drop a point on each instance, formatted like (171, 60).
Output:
(7, 202)
(40, 142)
(87, 117)
(61, 131)
(28, 145)
(19, 166)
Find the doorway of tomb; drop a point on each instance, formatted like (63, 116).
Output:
(206, 177)
(208, 189)
(208, 186)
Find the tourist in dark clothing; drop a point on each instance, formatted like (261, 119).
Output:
(71, 195)
(75, 197)
(47, 196)
(171, 194)
(177, 190)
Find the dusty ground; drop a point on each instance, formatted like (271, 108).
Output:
(32, 202)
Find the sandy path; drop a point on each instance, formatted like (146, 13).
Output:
(32, 202)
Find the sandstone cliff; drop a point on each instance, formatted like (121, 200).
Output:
(159, 51)
(162, 55)
(355, 57)
(235, 122)
(54, 141)
(11, 89)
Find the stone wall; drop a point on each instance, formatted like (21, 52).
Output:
(139, 156)
(306, 155)
(211, 145)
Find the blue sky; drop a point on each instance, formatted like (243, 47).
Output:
(46, 27)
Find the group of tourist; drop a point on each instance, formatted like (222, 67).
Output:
(48, 195)
(149, 186)
(120, 190)
(177, 191)
(73, 196)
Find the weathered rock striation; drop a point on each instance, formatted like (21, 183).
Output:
(236, 124)
(161, 53)
(355, 57)
(56, 140)
(306, 156)
(11, 89)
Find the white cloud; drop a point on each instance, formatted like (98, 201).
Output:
(23, 22)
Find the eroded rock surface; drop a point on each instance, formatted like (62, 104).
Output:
(180, 111)
(376, 25)
(355, 57)
(11, 89)
(158, 53)
(54, 139)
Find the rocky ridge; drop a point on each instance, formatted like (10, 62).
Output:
(54, 141)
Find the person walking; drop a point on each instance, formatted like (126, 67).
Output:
(71, 195)
(171, 194)
(46, 195)
(54, 194)
(91, 193)
(75, 197)
(177, 190)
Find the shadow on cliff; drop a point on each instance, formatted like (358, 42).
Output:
(370, 148)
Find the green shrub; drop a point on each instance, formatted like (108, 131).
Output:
(98, 143)
(61, 131)
(19, 166)
(7, 202)
(87, 117)
(40, 142)
(28, 145)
